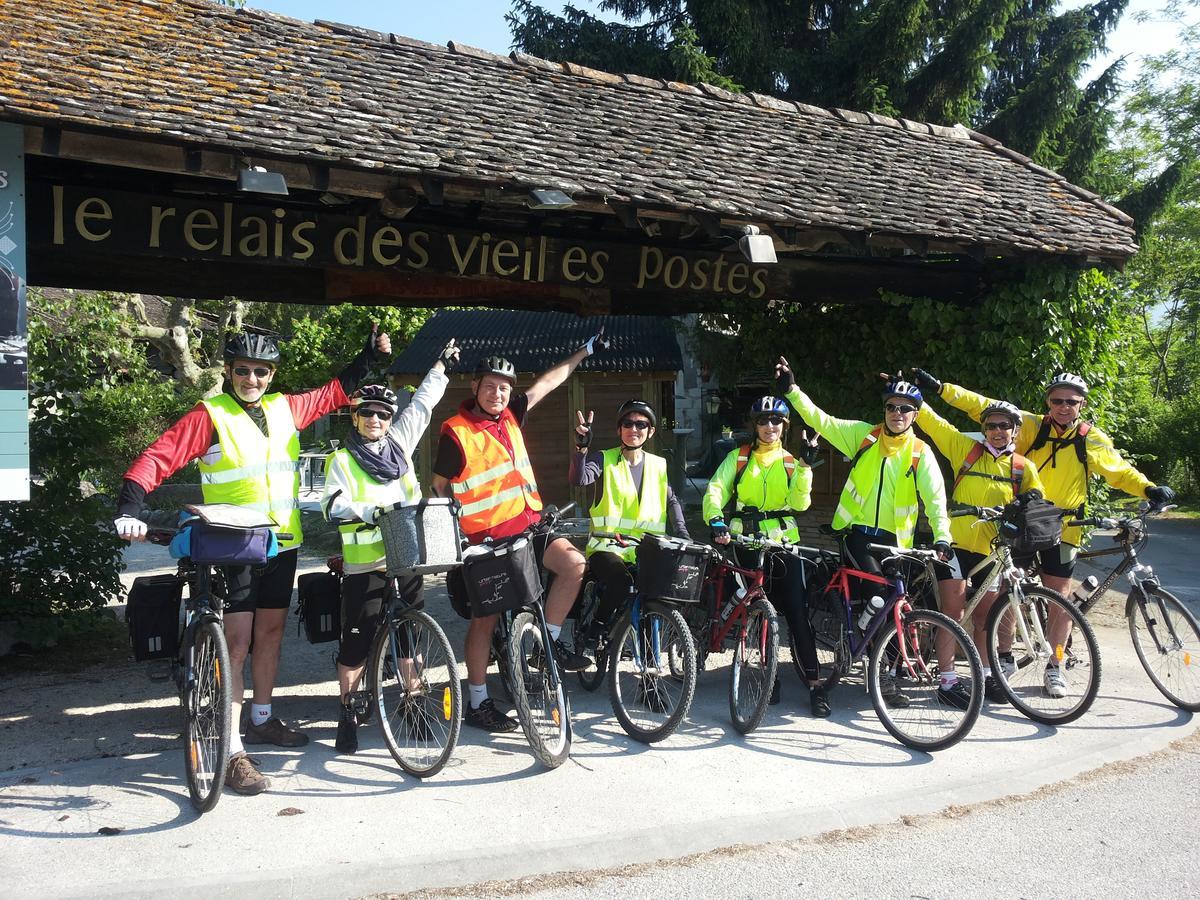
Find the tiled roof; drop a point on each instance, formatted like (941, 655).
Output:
(535, 341)
(206, 75)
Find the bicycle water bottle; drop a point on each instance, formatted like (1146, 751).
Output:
(727, 609)
(874, 605)
(1080, 594)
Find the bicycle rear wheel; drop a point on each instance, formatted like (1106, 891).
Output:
(930, 721)
(594, 648)
(1166, 637)
(1034, 649)
(652, 672)
(414, 682)
(207, 699)
(755, 662)
(541, 707)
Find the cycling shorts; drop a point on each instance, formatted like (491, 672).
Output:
(269, 586)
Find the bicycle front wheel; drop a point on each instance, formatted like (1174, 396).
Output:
(755, 662)
(1054, 671)
(925, 717)
(541, 706)
(652, 672)
(1166, 637)
(207, 699)
(414, 682)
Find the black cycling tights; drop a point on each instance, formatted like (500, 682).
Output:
(612, 576)
(786, 588)
(363, 603)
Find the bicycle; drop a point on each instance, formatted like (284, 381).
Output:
(521, 648)
(201, 667)
(744, 622)
(647, 654)
(896, 636)
(1028, 611)
(1165, 633)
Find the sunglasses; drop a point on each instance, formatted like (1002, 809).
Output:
(244, 371)
(1065, 401)
(375, 414)
(899, 408)
(635, 424)
(771, 420)
(998, 426)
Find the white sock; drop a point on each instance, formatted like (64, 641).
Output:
(235, 743)
(478, 693)
(987, 672)
(555, 631)
(259, 713)
(948, 679)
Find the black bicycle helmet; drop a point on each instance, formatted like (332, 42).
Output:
(495, 365)
(771, 406)
(637, 406)
(374, 394)
(254, 347)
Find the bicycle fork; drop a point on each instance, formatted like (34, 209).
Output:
(550, 665)
(1139, 577)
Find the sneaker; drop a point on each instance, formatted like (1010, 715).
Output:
(993, 691)
(242, 777)
(273, 731)
(818, 698)
(487, 717)
(775, 692)
(568, 660)
(955, 695)
(1008, 665)
(650, 694)
(890, 691)
(347, 731)
(1053, 683)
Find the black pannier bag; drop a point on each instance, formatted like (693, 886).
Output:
(500, 577)
(1038, 525)
(319, 606)
(671, 568)
(152, 614)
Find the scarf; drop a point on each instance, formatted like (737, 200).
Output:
(383, 460)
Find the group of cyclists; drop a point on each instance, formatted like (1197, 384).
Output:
(246, 441)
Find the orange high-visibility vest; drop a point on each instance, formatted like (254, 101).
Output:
(493, 486)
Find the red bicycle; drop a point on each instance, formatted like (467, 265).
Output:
(741, 619)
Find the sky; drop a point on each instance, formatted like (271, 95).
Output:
(480, 23)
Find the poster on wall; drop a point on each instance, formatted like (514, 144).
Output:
(14, 352)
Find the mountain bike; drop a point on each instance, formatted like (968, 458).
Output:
(897, 641)
(1038, 627)
(1165, 633)
(201, 669)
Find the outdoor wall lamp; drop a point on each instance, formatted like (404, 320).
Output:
(549, 198)
(257, 180)
(756, 246)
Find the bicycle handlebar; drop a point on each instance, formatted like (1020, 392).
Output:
(903, 551)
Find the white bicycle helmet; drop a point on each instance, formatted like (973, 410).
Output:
(1067, 380)
(1003, 408)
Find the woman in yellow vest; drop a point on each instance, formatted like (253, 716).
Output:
(989, 473)
(374, 469)
(888, 471)
(764, 477)
(633, 498)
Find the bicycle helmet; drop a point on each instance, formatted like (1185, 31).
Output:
(766, 406)
(495, 365)
(254, 347)
(375, 395)
(1003, 408)
(1067, 380)
(906, 389)
(637, 406)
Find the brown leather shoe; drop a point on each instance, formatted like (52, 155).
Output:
(273, 731)
(243, 778)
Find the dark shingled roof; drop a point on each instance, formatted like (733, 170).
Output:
(202, 74)
(535, 341)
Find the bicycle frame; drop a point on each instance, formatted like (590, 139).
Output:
(718, 631)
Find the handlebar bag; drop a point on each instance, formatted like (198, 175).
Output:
(1038, 523)
(223, 545)
(421, 536)
(501, 576)
(671, 568)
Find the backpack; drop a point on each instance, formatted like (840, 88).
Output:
(918, 449)
(743, 458)
(1079, 440)
(1018, 470)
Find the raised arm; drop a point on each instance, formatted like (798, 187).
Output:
(556, 375)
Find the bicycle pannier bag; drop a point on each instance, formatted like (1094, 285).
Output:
(1040, 524)
(421, 537)
(152, 614)
(319, 597)
(501, 577)
(671, 569)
